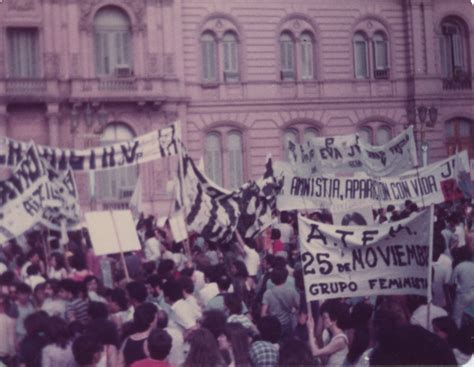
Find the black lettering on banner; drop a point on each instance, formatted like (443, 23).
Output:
(49, 154)
(353, 150)
(447, 172)
(332, 288)
(367, 236)
(76, 161)
(14, 153)
(304, 256)
(92, 157)
(108, 157)
(316, 234)
(31, 206)
(130, 152)
(343, 235)
(63, 160)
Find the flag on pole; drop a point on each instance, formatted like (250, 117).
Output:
(135, 203)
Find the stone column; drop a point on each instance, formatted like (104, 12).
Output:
(53, 129)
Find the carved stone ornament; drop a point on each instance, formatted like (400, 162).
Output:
(138, 7)
(21, 5)
(296, 24)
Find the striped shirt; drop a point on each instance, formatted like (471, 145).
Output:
(77, 310)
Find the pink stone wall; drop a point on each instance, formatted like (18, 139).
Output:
(167, 81)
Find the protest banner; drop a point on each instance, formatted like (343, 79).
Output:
(145, 148)
(353, 261)
(348, 154)
(424, 186)
(216, 213)
(112, 232)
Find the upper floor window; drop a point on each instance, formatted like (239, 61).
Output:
(224, 157)
(209, 57)
(375, 134)
(23, 52)
(360, 56)
(460, 136)
(113, 52)
(116, 185)
(453, 44)
(380, 46)
(307, 59)
(230, 57)
(287, 57)
(298, 134)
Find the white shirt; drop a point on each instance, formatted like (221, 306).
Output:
(57, 274)
(176, 356)
(54, 307)
(3, 268)
(208, 292)
(420, 315)
(152, 249)
(183, 315)
(34, 280)
(442, 275)
(252, 261)
(196, 309)
(461, 235)
(199, 282)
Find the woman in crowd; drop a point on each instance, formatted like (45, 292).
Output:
(234, 345)
(204, 351)
(58, 353)
(57, 268)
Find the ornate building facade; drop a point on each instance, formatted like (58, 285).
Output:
(242, 76)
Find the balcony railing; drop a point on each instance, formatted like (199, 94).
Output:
(117, 84)
(25, 87)
(381, 73)
(461, 80)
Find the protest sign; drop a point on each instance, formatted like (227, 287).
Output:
(423, 186)
(348, 154)
(178, 227)
(353, 261)
(112, 232)
(154, 145)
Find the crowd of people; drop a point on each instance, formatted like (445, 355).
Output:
(237, 304)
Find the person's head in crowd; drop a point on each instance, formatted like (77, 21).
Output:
(117, 300)
(268, 262)
(33, 269)
(56, 261)
(87, 351)
(285, 217)
(149, 233)
(166, 268)
(407, 204)
(105, 331)
(411, 345)
(214, 321)
(149, 268)
(413, 207)
(355, 218)
(68, 289)
(361, 314)
(36, 323)
(33, 256)
(92, 283)
(161, 319)
(235, 342)
(137, 292)
(269, 328)
(387, 316)
(186, 285)
(239, 269)
(223, 283)
(204, 351)
(97, 311)
(446, 329)
(39, 294)
(461, 254)
(23, 292)
(153, 283)
(465, 339)
(360, 320)
(279, 262)
(278, 276)
(172, 291)
(144, 317)
(294, 352)
(51, 288)
(335, 315)
(233, 304)
(58, 331)
(159, 344)
(275, 234)
(78, 262)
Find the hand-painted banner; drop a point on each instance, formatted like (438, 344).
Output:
(385, 259)
(216, 213)
(145, 148)
(433, 184)
(348, 154)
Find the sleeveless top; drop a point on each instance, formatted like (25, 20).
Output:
(134, 350)
(337, 359)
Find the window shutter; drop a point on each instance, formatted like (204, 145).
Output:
(360, 55)
(306, 60)
(381, 62)
(23, 53)
(457, 50)
(235, 159)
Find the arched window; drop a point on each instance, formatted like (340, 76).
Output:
(231, 57)
(209, 57)
(376, 134)
(116, 185)
(309, 133)
(380, 55)
(112, 42)
(287, 57)
(360, 56)
(452, 45)
(213, 157)
(307, 56)
(23, 52)
(235, 159)
(289, 135)
(460, 136)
